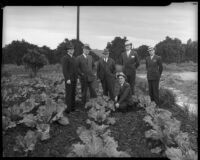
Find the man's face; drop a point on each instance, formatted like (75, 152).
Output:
(151, 52)
(71, 51)
(86, 51)
(121, 80)
(128, 47)
(106, 55)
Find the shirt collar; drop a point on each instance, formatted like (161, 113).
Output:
(84, 55)
(152, 56)
(128, 52)
(69, 54)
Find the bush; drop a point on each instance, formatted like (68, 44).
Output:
(167, 98)
(33, 61)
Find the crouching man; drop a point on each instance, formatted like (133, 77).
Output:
(123, 100)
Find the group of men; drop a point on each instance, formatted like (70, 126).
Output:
(83, 67)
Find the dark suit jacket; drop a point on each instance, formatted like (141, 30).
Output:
(69, 68)
(154, 67)
(106, 69)
(124, 94)
(131, 63)
(85, 67)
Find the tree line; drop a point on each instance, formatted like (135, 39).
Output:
(171, 50)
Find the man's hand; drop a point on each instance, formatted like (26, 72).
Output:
(68, 81)
(117, 105)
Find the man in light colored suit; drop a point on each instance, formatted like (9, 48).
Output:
(130, 61)
(85, 67)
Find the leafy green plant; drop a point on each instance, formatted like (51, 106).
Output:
(97, 141)
(26, 143)
(7, 123)
(166, 129)
(178, 154)
(95, 146)
(167, 97)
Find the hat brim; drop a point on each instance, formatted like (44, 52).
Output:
(86, 48)
(129, 44)
(71, 48)
(150, 49)
(105, 53)
(121, 75)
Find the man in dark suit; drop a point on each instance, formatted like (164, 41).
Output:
(70, 75)
(123, 99)
(85, 66)
(154, 70)
(106, 73)
(130, 61)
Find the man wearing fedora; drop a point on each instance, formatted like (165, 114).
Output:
(70, 75)
(85, 67)
(130, 61)
(123, 99)
(106, 73)
(154, 70)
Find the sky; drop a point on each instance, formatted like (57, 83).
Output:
(145, 25)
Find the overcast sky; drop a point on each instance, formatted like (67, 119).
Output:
(99, 24)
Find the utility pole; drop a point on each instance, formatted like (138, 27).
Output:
(77, 34)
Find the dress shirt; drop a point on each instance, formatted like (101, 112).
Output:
(85, 55)
(151, 57)
(69, 54)
(128, 53)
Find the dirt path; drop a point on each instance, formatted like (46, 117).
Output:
(187, 76)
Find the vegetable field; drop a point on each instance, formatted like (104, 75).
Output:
(34, 123)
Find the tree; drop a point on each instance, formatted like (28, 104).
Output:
(50, 55)
(78, 47)
(34, 61)
(61, 50)
(171, 50)
(116, 47)
(142, 51)
(191, 51)
(13, 53)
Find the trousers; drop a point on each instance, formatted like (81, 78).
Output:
(154, 90)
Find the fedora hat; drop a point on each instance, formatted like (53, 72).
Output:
(121, 74)
(150, 48)
(86, 46)
(106, 51)
(128, 43)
